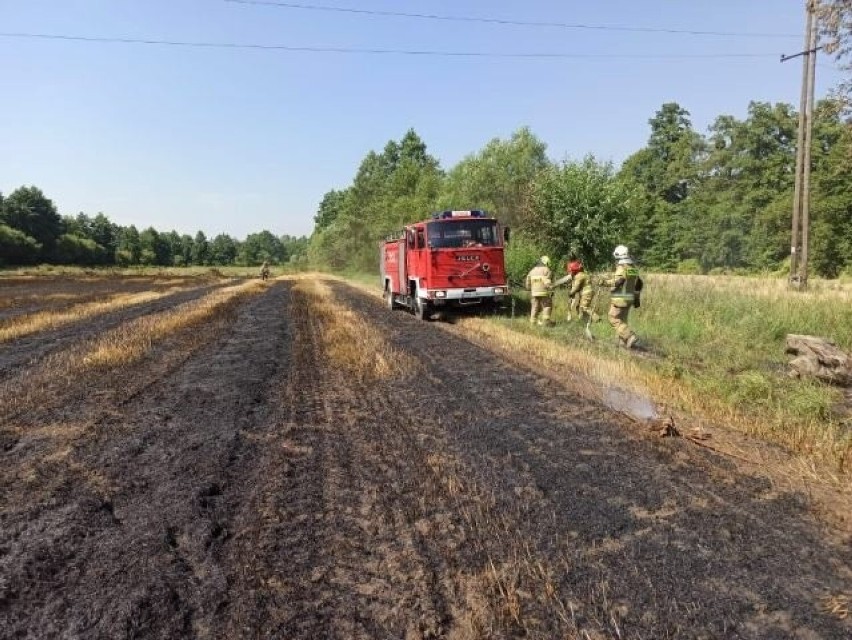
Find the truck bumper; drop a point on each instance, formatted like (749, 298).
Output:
(472, 295)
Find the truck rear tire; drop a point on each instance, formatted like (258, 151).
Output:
(389, 301)
(422, 308)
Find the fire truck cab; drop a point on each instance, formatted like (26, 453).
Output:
(452, 260)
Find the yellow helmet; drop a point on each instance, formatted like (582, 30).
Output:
(545, 261)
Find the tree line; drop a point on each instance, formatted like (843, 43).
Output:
(32, 231)
(692, 202)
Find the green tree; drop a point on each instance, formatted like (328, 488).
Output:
(74, 249)
(28, 210)
(260, 247)
(105, 233)
(391, 188)
(16, 247)
(330, 208)
(745, 212)
(497, 178)
(200, 254)
(223, 250)
(128, 249)
(154, 248)
(578, 209)
(831, 229)
(667, 171)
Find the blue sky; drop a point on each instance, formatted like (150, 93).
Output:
(240, 140)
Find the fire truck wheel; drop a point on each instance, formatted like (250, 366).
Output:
(422, 308)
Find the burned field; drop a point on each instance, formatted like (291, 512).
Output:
(291, 460)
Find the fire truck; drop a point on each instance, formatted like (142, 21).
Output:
(451, 261)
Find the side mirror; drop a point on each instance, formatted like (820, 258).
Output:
(506, 235)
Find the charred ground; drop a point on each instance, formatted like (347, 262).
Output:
(240, 482)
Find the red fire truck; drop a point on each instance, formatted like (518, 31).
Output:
(453, 260)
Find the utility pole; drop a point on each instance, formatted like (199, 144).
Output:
(802, 191)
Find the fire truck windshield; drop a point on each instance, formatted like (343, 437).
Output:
(456, 234)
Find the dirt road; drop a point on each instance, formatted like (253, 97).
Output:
(240, 483)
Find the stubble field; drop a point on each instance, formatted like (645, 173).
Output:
(210, 458)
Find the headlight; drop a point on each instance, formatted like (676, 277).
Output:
(440, 294)
(499, 289)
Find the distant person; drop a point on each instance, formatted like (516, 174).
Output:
(264, 270)
(538, 281)
(625, 285)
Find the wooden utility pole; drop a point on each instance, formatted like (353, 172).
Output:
(802, 191)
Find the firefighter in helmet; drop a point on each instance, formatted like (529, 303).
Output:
(539, 283)
(625, 285)
(264, 270)
(581, 293)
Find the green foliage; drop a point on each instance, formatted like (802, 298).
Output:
(521, 256)
(330, 208)
(16, 247)
(579, 209)
(128, 249)
(30, 212)
(73, 249)
(200, 251)
(689, 266)
(391, 188)
(260, 247)
(497, 178)
(725, 202)
(155, 248)
(223, 250)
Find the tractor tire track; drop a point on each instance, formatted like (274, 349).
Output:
(337, 552)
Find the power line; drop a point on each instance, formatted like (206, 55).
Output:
(373, 51)
(505, 22)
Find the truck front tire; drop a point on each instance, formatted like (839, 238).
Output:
(422, 308)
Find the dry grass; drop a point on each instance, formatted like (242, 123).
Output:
(348, 339)
(31, 323)
(132, 342)
(773, 288)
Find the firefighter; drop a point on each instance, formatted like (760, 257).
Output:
(539, 283)
(625, 285)
(581, 294)
(264, 270)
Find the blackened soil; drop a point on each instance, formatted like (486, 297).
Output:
(257, 490)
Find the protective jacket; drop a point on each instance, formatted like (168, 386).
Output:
(538, 281)
(581, 285)
(624, 284)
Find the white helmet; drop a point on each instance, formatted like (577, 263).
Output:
(621, 252)
(545, 260)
